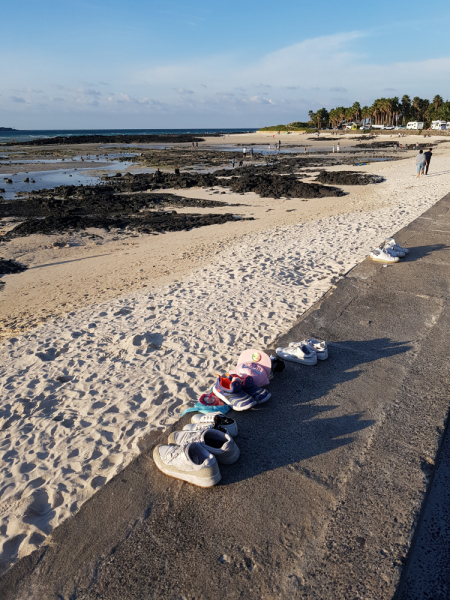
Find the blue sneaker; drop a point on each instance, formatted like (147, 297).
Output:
(248, 385)
(231, 393)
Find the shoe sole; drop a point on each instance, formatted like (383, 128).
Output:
(236, 408)
(383, 260)
(203, 482)
(322, 355)
(307, 361)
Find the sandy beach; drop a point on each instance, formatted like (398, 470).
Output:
(107, 339)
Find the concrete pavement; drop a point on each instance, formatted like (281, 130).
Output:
(324, 501)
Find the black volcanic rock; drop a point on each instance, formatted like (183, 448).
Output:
(348, 178)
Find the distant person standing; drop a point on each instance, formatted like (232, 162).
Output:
(232, 161)
(177, 170)
(193, 146)
(196, 145)
(338, 147)
(428, 154)
(417, 145)
(420, 162)
(251, 153)
(244, 151)
(334, 148)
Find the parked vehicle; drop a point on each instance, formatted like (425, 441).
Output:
(389, 127)
(400, 127)
(378, 127)
(366, 127)
(414, 125)
(439, 125)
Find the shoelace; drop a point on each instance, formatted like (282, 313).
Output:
(172, 453)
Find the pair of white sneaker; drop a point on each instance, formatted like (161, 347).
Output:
(306, 352)
(194, 453)
(390, 253)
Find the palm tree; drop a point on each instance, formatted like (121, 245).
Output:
(417, 105)
(437, 102)
(356, 108)
(396, 109)
(406, 108)
(366, 113)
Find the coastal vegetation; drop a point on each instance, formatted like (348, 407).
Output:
(384, 111)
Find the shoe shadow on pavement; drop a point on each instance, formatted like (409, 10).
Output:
(418, 252)
(313, 410)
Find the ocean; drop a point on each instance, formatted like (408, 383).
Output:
(32, 134)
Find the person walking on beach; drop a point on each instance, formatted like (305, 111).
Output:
(244, 151)
(232, 161)
(177, 170)
(421, 161)
(338, 147)
(428, 154)
(334, 147)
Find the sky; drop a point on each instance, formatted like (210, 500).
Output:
(204, 64)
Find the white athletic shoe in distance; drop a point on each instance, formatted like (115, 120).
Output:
(192, 463)
(216, 442)
(302, 353)
(379, 255)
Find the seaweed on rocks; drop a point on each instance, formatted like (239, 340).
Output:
(9, 267)
(150, 222)
(95, 200)
(348, 178)
(277, 186)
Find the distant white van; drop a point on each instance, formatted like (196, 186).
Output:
(414, 125)
(377, 126)
(440, 125)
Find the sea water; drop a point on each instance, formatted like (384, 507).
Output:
(33, 134)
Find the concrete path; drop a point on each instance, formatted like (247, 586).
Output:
(324, 501)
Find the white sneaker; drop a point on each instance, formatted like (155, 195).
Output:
(302, 354)
(379, 255)
(320, 346)
(394, 250)
(192, 463)
(199, 421)
(391, 242)
(216, 442)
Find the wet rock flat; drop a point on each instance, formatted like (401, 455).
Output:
(348, 178)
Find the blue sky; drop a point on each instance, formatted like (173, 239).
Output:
(111, 64)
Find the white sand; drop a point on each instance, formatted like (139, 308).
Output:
(82, 395)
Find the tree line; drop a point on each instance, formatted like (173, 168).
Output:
(385, 111)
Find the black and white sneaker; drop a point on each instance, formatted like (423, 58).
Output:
(214, 420)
